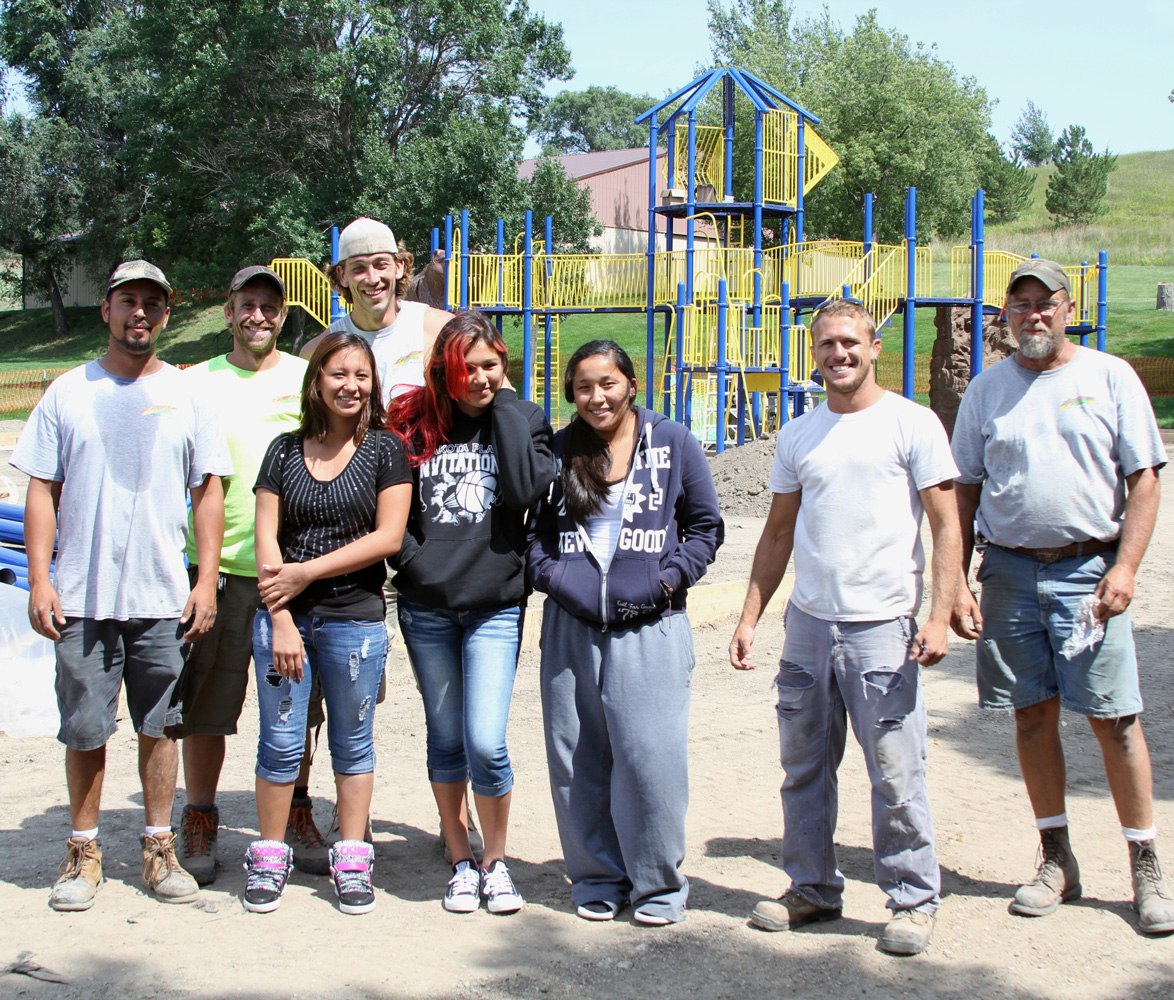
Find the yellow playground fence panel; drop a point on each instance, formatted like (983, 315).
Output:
(997, 267)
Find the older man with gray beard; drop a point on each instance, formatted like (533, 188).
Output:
(1059, 454)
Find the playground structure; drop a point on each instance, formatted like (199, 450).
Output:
(733, 310)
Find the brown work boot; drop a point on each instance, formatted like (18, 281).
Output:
(1056, 881)
(199, 827)
(310, 852)
(162, 873)
(907, 932)
(1151, 897)
(789, 912)
(81, 875)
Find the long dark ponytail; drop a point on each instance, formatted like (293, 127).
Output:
(586, 458)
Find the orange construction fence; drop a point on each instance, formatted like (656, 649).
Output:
(21, 390)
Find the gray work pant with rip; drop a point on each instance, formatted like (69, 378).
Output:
(616, 711)
(867, 672)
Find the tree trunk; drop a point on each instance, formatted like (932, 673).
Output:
(1166, 296)
(60, 320)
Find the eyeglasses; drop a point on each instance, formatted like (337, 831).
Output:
(1045, 308)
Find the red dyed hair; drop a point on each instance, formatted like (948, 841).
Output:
(423, 416)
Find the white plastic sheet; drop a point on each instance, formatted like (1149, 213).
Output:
(28, 702)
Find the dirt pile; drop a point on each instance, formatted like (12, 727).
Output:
(741, 476)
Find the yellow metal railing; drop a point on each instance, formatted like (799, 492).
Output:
(589, 281)
(494, 279)
(710, 162)
(306, 286)
(818, 159)
(539, 372)
(997, 268)
(780, 158)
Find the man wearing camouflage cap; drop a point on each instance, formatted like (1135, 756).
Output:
(113, 448)
(256, 390)
(1059, 454)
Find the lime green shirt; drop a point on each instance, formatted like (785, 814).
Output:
(254, 407)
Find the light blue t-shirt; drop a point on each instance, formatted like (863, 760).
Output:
(1052, 449)
(125, 451)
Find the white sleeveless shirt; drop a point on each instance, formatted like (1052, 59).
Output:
(398, 349)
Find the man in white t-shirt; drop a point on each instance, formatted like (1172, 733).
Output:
(112, 449)
(851, 480)
(1059, 455)
(372, 275)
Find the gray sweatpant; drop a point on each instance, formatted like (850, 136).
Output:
(616, 710)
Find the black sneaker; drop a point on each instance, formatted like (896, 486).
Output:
(351, 864)
(267, 864)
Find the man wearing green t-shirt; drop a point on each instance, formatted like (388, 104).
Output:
(257, 390)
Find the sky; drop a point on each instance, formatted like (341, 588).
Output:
(1106, 66)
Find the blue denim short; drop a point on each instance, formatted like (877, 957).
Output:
(1028, 610)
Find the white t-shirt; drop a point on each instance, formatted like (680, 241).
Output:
(1052, 449)
(398, 349)
(858, 553)
(603, 529)
(125, 451)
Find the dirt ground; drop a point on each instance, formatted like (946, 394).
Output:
(129, 945)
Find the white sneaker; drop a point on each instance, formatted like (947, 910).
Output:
(464, 888)
(501, 895)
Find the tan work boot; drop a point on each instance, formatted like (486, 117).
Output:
(310, 851)
(907, 932)
(1151, 897)
(81, 875)
(162, 873)
(1056, 881)
(789, 912)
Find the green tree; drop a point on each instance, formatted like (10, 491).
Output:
(243, 130)
(598, 118)
(1007, 184)
(1077, 188)
(550, 191)
(40, 201)
(1032, 137)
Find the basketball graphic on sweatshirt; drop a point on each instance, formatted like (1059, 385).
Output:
(459, 483)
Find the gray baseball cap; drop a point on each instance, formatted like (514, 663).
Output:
(137, 270)
(247, 274)
(1050, 274)
(365, 236)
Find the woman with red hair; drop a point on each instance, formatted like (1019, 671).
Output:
(481, 459)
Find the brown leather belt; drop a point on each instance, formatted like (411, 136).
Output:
(1089, 548)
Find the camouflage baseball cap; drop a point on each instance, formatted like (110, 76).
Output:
(1050, 274)
(136, 270)
(247, 274)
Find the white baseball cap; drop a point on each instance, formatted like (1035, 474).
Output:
(364, 236)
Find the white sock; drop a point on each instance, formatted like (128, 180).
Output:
(1136, 836)
(1051, 822)
(85, 834)
(154, 831)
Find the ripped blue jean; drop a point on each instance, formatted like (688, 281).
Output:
(348, 656)
(863, 672)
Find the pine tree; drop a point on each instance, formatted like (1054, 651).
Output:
(1007, 185)
(1032, 137)
(1076, 192)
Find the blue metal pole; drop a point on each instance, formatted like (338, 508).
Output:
(785, 351)
(679, 381)
(908, 340)
(500, 265)
(434, 242)
(547, 340)
(690, 203)
(801, 166)
(728, 115)
(447, 252)
(719, 433)
(464, 258)
(1102, 298)
(1083, 301)
(759, 165)
(868, 236)
(650, 260)
(336, 310)
(527, 306)
(976, 342)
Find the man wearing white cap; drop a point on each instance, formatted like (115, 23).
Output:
(112, 449)
(372, 274)
(257, 391)
(1059, 454)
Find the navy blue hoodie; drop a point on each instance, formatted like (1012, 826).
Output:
(669, 534)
